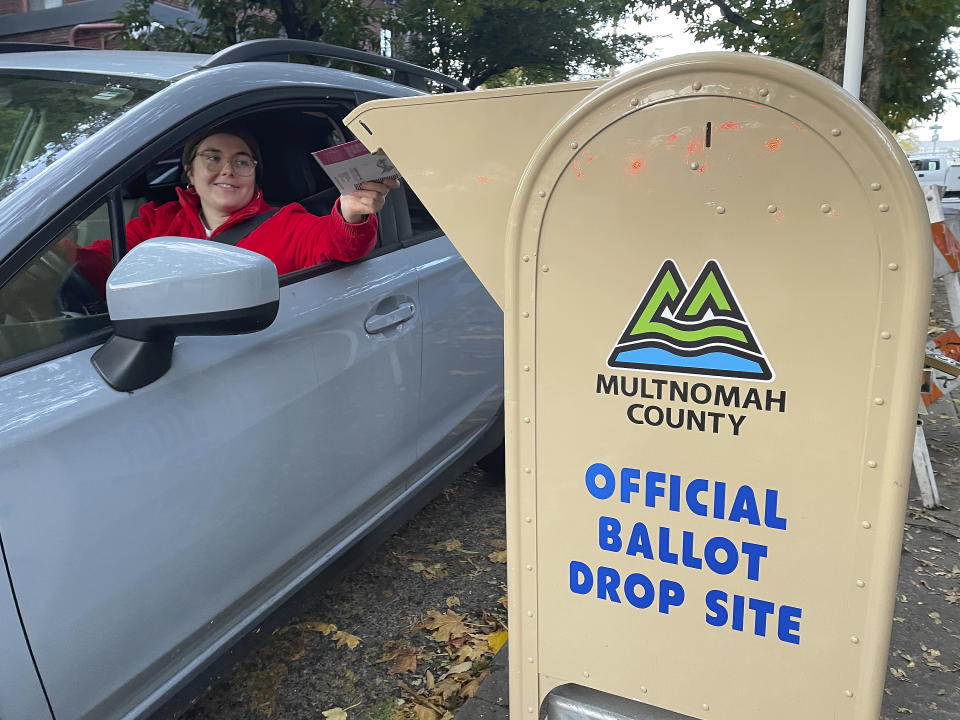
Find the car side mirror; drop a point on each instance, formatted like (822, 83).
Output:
(168, 287)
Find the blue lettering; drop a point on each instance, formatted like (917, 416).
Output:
(715, 604)
(596, 471)
(720, 499)
(675, 493)
(663, 545)
(745, 506)
(770, 518)
(788, 624)
(640, 542)
(737, 623)
(610, 534)
(694, 490)
(654, 488)
(754, 553)
(689, 559)
(608, 580)
(716, 545)
(627, 484)
(630, 590)
(581, 579)
(671, 595)
(761, 608)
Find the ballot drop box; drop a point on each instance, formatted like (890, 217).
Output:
(715, 274)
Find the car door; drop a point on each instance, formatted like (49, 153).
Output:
(462, 388)
(143, 531)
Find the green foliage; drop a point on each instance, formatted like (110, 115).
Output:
(918, 63)
(224, 22)
(507, 42)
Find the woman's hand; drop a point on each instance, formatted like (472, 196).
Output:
(367, 201)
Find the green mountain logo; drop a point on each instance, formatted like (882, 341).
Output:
(695, 331)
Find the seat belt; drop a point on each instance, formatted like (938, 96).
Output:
(233, 235)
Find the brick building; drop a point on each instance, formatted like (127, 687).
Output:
(86, 23)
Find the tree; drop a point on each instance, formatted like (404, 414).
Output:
(909, 141)
(495, 42)
(224, 22)
(907, 61)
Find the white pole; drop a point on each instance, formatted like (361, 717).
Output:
(853, 60)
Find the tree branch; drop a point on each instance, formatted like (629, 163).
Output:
(732, 16)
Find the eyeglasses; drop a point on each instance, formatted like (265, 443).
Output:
(242, 165)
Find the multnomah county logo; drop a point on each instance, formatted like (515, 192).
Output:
(695, 331)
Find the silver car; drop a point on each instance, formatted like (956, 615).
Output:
(145, 529)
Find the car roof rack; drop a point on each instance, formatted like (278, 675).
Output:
(19, 47)
(279, 49)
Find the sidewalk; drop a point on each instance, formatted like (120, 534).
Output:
(923, 681)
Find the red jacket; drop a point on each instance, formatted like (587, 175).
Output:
(293, 238)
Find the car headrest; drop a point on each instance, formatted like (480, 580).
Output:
(288, 174)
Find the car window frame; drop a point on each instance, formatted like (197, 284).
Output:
(51, 233)
(109, 186)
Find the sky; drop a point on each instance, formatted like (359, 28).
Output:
(676, 41)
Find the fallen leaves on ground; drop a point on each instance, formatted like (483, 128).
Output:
(292, 639)
(262, 688)
(500, 556)
(407, 662)
(429, 572)
(452, 671)
(496, 640)
(446, 625)
(344, 638)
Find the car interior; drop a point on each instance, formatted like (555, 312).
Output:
(48, 303)
(287, 137)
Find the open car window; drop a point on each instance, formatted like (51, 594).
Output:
(287, 136)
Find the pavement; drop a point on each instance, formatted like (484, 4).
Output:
(923, 678)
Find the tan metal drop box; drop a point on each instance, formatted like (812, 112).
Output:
(715, 275)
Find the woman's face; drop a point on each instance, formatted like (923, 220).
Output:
(214, 173)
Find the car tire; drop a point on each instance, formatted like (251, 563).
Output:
(494, 464)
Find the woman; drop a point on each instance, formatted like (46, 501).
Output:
(222, 166)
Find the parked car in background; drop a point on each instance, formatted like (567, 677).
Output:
(930, 169)
(145, 530)
(951, 182)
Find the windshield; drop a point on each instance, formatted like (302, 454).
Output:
(44, 114)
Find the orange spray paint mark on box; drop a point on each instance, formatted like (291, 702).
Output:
(799, 127)
(671, 140)
(731, 125)
(483, 180)
(635, 166)
(774, 143)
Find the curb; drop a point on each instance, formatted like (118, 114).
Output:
(492, 701)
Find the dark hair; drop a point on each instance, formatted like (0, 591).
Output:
(237, 129)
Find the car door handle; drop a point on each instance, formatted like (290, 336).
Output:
(379, 323)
